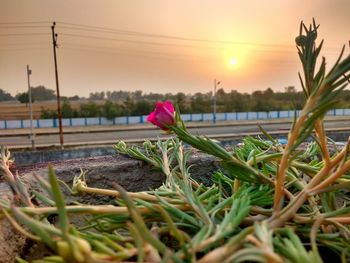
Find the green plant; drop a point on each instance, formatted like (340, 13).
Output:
(267, 203)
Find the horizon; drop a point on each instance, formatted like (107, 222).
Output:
(160, 93)
(160, 47)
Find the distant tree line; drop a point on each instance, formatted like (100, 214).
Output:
(125, 103)
(106, 109)
(112, 104)
(39, 93)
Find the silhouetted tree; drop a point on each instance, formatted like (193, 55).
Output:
(40, 93)
(110, 110)
(90, 109)
(68, 111)
(128, 106)
(74, 98)
(5, 96)
(142, 107)
(48, 114)
(23, 97)
(181, 101)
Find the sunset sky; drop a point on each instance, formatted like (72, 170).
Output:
(162, 46)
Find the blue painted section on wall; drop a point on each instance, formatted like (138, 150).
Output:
(125, 120)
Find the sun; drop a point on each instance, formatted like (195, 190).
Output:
(233, 62)
(234, 59)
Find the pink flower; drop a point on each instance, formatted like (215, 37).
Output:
(163, 115)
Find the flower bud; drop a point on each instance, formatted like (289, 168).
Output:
(163, 115)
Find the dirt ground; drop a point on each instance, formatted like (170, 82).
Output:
(101, 172)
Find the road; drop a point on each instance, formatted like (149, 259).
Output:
(86, 137)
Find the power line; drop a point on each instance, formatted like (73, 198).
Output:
(20, 44)
(25, 23)
(132, 52)
(144, 42)
(128, 54)
(162, 43)
(127, 40)
(23, 34)
(98, 29)
(118, 32)
(106, 30)
(24, 49)
(22, 26)
(136, 33)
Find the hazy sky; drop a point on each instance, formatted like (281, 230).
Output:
(162, 45)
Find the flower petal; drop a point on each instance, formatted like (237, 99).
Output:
(163, 115)
(169, 106)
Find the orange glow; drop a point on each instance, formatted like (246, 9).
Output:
(178, 50)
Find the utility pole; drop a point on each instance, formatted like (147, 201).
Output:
(59, 113)
(216, 83)
(31, 135)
